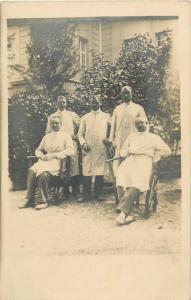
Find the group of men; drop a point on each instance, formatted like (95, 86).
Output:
(127, 132)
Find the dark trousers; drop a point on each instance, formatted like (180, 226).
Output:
(98, 186)
(42, 181)
(126, 202)
(74, 183)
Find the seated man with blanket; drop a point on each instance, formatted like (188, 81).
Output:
(54, 146)
(133, 175)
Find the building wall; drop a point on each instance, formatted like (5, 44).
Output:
(125, 29)
(17, 51)
(107, 41)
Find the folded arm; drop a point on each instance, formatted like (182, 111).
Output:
(67, 151)
(161, 148)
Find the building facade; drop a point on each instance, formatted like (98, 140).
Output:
(104, 35)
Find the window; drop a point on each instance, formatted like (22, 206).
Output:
(13, 53)
(13, 45)
(83, 52)
(162, 36)
(159, 37)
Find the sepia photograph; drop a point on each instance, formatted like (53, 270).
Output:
(94, 131)
(94, 134)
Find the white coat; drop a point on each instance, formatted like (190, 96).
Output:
(122, 125)
(141, 148)
(70, 120)
(93, 129)
(58, 143)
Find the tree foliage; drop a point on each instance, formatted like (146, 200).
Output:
(144, 64)
(52, 55)
(28, 115)
(95, 82)
(141, 64)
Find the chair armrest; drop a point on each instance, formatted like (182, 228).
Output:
(64, 167)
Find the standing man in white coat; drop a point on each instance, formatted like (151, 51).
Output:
(70, 124)
(92, 133)
(122, 124)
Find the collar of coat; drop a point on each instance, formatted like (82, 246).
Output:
(127, 104)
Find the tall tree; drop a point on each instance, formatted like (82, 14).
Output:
(98, 81)
(144, 64)
(52, 55)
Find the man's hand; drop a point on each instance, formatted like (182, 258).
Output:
(114, 144)
(45, 157)
(40, 156)
(106, 142)
(86, 147)
(48, 156)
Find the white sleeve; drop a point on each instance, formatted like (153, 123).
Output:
(82, 132)
(113, 127)
(76, 119)
(125, 148)
(142, 113)
(40, 148)
(161, 148)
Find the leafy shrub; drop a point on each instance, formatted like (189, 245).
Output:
(27, 122)
(96, 82)
(53, 56)
(144, 66)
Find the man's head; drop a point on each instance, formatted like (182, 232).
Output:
(126, 94)
(61, 102)
(55, 124)
(141, 124)
(95, 105)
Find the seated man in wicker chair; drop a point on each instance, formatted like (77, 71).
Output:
(133, 174)
(54, 146)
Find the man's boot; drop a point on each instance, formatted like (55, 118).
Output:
(27, 204)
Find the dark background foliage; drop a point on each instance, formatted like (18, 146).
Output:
(27, 123)
(53, 55)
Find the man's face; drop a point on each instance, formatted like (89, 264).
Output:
(61, 104)
(126, 95)
(55, 125)
(95, 105)
(141, 125)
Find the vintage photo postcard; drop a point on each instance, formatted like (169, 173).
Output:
(95, 201)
